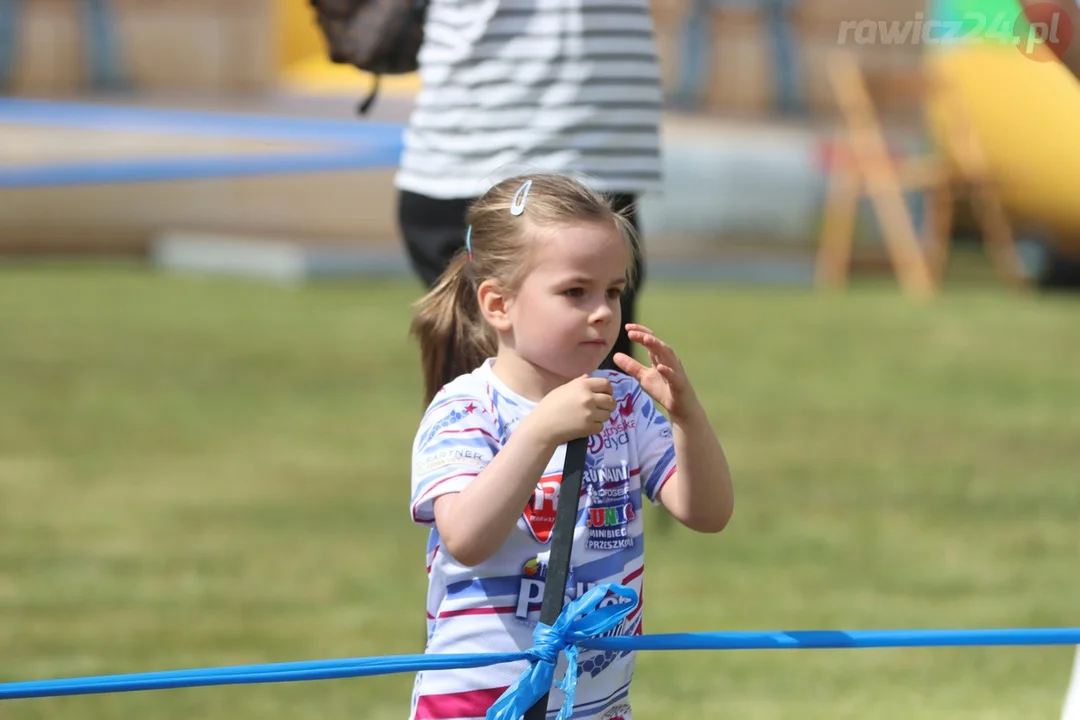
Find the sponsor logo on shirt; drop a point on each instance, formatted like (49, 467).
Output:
(540, 510)
(617, 433)
(610, 510)
(612, 437)
(454, 456)
(531, 592)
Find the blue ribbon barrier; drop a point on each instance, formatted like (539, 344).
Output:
(582, 619)
(577, 628)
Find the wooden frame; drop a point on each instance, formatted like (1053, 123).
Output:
(863, 166)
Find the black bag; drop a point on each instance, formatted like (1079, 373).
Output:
(381, 37)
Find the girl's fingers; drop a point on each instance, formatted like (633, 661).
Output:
(629, 365)
(659, 351)
(643, 338)
(668, 372)
(604, 401)
(648, 339)
(632, 327)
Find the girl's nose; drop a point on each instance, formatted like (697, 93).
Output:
(601, 314)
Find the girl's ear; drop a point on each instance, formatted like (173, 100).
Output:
(494, 304)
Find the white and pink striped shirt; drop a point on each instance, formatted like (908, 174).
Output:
(494, 606)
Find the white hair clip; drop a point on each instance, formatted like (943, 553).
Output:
(518, 205)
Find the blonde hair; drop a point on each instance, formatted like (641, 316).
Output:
(454, 338)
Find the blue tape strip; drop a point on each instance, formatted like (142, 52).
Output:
(88, 116)
(250, 674)
(837, 639)
(579, 625)
(198, 167)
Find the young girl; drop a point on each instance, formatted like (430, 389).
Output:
(511, 339)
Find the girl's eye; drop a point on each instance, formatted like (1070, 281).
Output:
(574, 292)
(614, 293)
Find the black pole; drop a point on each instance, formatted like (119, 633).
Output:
(562, 542)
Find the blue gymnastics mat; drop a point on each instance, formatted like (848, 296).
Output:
(292, 144)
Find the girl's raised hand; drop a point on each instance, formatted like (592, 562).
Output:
(665, 381)
(578, 409)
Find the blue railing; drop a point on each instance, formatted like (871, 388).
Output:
(578, 627)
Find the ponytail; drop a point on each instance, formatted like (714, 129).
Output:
(454, 338)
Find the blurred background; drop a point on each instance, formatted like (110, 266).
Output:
(208, 398)
(167, 120)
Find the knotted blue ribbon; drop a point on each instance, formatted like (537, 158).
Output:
(583, 619)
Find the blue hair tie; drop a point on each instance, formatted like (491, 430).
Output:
(468, 242)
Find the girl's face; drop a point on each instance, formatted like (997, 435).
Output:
(566, 316)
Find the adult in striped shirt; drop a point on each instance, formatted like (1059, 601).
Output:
(511, 340)
(516, 86)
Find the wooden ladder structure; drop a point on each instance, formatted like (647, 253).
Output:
(863, 166)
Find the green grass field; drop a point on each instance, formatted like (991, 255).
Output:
(197, 473)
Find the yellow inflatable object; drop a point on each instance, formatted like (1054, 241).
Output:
(1026, 114)
(305, 66)
(298, 35)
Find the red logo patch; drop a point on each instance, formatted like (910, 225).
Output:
(540, 511)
